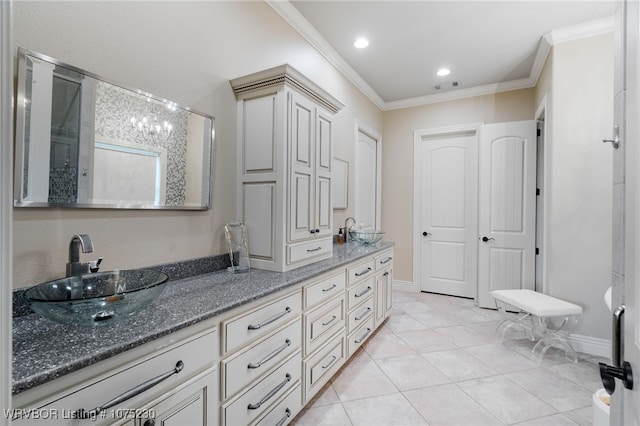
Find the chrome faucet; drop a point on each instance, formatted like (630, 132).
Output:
(346, 230)
(75, 267)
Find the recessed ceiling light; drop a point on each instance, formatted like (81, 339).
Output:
(361, 43)
(443, 72)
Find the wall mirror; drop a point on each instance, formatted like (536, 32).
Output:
(83, 141)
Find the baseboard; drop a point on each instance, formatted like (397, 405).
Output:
(407, 286)
(590, 345)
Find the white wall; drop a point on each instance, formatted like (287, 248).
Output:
(186, 52)
(580, 177)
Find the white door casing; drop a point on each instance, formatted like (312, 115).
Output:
(448, 168)
(507, 208)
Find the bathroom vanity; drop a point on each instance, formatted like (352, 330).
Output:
(217, 348)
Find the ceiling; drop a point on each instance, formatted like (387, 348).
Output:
(489, 46)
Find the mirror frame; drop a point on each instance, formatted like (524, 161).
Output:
(19, 143)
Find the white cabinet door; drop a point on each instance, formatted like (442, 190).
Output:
(194, 404)
(448, 205)
(310, 144)
(323, 163)
(301, 166)
(507, 208)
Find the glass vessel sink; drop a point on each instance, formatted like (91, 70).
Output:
(96, 299)
(365, 237)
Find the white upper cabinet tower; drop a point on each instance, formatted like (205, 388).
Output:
(285, 137)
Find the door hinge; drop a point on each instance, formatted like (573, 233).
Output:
(537, 191)
(537, 251)
(538, 132)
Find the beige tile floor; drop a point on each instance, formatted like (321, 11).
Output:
(437, 361)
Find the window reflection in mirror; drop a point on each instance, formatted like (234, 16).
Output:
(82, 141)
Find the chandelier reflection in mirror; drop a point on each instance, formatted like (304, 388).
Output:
(150, 128)
(77, 145)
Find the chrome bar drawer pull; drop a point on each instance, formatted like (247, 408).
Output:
(324, 290)
(272, 355)
(287, 414)
(364, 336)
(363, 292)
(271, 393)
(270, 320)
(387, 260)
(327, 365)
(333, 318)
(366, 271)
(363, 314)
(82, 414)
(315, 249)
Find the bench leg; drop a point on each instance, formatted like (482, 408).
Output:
(555, 336)
(551, 331)
(514, 319)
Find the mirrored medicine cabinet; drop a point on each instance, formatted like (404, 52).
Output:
(83, 141)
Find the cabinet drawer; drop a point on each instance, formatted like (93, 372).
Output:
(284, 412)
(360, 315)
(359, 293)
(258, 322)
(241, 369)
(358, 337)
(321, 366)
(384, 260)
(195, 356)
(317, 247)
(323, 290)
(360, 272)
(323, 322)
(257, 400)
(194, 404)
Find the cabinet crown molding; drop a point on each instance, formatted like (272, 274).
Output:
(279, 76)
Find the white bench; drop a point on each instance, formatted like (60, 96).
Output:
(539, 315)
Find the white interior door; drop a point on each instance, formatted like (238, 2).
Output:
(631, 337)
(507, 208)
(449, 208)
(631, 280)
(367, 190)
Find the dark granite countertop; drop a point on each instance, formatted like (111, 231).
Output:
(44, 350)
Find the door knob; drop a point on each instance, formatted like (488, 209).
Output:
(426, 234)
(485, 239)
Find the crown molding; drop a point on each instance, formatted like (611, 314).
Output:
(470, 92)
(306, 30)
(279, 76)
(587, 29)
(294, 18)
